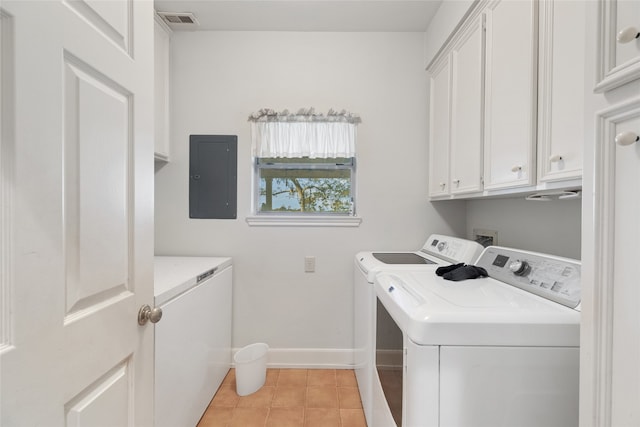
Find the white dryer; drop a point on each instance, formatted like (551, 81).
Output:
(438, 250)
(500, 351)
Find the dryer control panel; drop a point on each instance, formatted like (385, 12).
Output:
(551, 277)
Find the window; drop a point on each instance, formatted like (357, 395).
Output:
(305, 186)
(304, 167)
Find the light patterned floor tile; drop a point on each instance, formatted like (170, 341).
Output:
(285, 417)
(322, 417)
(289, 398)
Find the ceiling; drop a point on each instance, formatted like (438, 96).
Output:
(304, 15)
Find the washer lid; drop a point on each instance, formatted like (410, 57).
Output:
(370, 265)
(434, 311)
(437, 250)
(401, 258)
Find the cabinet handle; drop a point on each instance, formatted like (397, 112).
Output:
(555, 158)
(442, 185)
(626, 138)
(627, 34)
(456, 181)
(516, 168)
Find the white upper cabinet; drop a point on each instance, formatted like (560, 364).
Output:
(455, 139)
(466, 109)
(507, 100)
(561, 92)
(439, 113)
(619, 50)
(510, 94)
(162, 36)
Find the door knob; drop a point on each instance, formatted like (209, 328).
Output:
(626, 138)
(627, 34)
(147, 314)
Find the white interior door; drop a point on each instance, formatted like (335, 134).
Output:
(77, 212)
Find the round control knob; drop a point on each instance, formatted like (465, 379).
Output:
(519, 268)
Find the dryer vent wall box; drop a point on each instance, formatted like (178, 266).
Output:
(213, 167)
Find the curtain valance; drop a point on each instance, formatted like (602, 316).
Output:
(304, 134)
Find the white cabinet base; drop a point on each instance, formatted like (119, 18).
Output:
(193, 348)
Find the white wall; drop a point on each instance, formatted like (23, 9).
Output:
(550, 227)
(218, 79)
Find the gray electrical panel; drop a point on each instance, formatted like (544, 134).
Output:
(213, 176)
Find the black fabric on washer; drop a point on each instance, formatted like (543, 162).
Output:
(464, 273)
(442, 270)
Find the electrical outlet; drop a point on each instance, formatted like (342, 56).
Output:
(309, 264)
(485, 237)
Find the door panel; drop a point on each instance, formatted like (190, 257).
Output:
(510, 94)
(625, 295)
(561, 92)
(112, 19)
(617, 62)
(439, 114)
(81, 212)
(7, 148)
(466, 111)
(96, 203)
(103, 403)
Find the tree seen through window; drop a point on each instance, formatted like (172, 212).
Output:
(305, 185)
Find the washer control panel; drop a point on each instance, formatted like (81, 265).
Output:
(452, 249)
(554, 278)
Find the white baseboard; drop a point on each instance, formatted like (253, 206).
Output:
(309, 358)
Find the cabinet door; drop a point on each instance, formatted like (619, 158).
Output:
(561, 93)
(510, 94)
(161, 93)
(466, 110)
(619, 60)
(439, 114)
(193, 350)
(612, 321)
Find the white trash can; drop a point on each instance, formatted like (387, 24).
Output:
(251, 368)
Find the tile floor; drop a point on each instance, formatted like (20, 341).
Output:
(289, 398)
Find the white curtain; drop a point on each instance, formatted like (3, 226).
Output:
(304, 135)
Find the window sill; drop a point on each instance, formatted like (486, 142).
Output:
(303, 221)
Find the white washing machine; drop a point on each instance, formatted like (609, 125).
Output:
(500, 351)
(438, 250)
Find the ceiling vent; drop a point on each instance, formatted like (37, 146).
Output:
(179, 19)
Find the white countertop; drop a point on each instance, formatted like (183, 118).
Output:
(174, 275)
